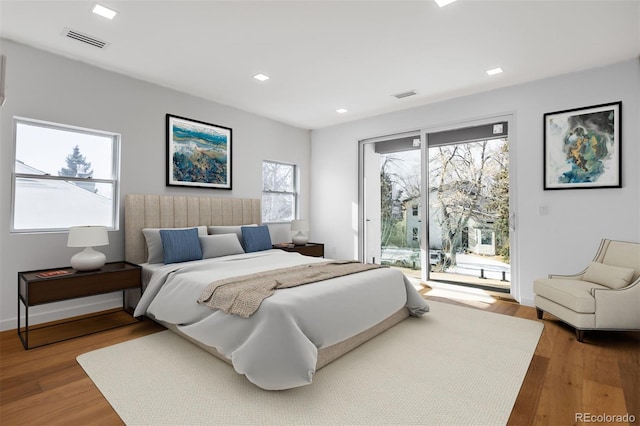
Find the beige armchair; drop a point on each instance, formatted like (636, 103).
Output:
(605, 296)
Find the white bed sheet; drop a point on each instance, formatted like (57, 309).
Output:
(277, 347)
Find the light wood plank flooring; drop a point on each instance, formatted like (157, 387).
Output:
(46, 386)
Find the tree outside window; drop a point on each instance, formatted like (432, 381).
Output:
(279, 192)
(78, 166)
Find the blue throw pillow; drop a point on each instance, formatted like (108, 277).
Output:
(180, 245)
(256, 238)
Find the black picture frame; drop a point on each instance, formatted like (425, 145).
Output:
(198, 153)
(582, 147)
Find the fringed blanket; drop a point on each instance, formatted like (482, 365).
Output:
(243, 295)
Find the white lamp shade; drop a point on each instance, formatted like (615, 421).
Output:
(299, 225)
(87, 236)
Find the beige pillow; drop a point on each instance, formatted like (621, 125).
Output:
(220, 245)
(608, 276)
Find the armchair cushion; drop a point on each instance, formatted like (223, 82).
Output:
(574, 294)
(609, 276)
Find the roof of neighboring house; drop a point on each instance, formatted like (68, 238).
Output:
(64, 203)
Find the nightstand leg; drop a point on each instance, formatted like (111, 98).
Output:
(18, 299)
(24, 336)
(26, 326)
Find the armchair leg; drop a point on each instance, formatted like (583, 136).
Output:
(539, 313)
(580, 335)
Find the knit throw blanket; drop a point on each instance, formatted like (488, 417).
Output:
(243, 295)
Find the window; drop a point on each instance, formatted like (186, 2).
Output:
(279, 196)
(486, 237)
(63, 176)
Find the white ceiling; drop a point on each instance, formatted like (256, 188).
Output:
(324, 55)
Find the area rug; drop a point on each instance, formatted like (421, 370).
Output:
(453, 366)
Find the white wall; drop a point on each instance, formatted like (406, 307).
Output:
(48, 87)
(564, 240)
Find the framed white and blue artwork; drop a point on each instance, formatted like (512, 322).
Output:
(198, 153)
(582, 147)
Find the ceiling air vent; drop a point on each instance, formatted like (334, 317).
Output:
(84, 38)
(405, 94)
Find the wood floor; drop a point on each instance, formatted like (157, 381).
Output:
(46, 386)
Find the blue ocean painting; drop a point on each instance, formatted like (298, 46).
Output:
(200, 153)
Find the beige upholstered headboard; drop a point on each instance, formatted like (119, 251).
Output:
(166, 211)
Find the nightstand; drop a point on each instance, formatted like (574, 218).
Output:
(309, 249)
(54, 285)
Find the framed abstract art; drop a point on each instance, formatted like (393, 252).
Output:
(582, 147)
(198, 153)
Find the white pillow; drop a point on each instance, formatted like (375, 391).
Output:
(228, 229)
(154, 242)
(609, 276)
(220, 245)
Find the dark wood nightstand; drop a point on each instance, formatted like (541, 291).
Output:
(54, 285)
(309, 249)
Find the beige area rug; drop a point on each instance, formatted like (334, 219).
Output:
(453, 366)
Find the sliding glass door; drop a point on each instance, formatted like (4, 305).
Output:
(468, 205)
(391, 176)
(437, 204)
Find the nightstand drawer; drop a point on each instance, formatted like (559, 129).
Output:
(77, 285)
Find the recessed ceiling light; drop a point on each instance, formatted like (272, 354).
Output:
(443, 3)
(98, 9)
(494, 71)
(341, 111)
(261, 77)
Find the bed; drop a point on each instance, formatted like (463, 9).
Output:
(295, 331)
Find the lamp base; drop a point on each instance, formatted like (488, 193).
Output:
(88, 260)
(300, 239)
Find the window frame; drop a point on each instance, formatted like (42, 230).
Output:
(114, 181)
(294, 193)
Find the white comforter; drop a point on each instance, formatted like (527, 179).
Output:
(277, 347)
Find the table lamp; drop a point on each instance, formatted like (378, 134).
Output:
(301, 226)
(88, 237)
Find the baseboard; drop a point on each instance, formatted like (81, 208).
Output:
(62, 313)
